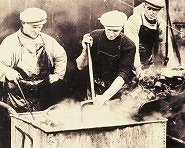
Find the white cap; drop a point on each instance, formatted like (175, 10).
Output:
(113, 19)
(33, 15)
(158, 4)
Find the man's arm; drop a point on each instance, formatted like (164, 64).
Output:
(126, 64)
(82, 61)
(162, 44)
(110, 92)
(8, 59)
(131, 30)
(59, 61)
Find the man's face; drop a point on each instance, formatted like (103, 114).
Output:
(32, 30)
(112, 33)
(150, 12)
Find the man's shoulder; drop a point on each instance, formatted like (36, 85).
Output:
(11, 38)
(161, 20)
(126, 40)
(124, 37)
(134, 20)
(138, 9)
(49, 40)
(96, 32)
(46, 36)
(137, 13)
(12, 35)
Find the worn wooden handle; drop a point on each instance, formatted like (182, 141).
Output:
(91, 72)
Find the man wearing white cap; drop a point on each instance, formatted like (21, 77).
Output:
(32, 60)
(148, 31)
(112, 56)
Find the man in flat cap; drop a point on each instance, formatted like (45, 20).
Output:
(112, 56)
(148, 31)
(31, 62)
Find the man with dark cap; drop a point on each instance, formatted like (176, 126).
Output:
(148, 31)
(112, 56)
(31, 62)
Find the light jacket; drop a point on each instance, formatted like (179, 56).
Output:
(11, 54)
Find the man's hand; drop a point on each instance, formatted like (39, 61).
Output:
(100, 100)
(53, 78)
(10, 110)
(12, 75)
(139, 73)
(87, 39)
(81, 61)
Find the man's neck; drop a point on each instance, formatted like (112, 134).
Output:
(150, 21)
(27, 34)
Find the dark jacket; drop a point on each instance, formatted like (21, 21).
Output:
(112, 58)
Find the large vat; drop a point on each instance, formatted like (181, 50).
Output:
(146, 134)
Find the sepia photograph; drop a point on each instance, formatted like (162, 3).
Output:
(92, 74)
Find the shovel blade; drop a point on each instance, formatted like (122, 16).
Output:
(86, 102)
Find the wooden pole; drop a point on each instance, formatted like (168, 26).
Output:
(91, 72)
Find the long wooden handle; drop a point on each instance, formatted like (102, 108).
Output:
(91, 72)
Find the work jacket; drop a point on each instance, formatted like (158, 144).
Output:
(111, 58)
(34, 59)
(132, 30)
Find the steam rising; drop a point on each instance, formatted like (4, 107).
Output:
(69, 114)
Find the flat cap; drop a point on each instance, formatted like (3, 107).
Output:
(156, 3)
(113, 19)
(33, 15)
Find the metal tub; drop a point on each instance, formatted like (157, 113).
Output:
(146, 134)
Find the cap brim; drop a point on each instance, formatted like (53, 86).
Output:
(154, 6)
(114, 27)
(37, 23)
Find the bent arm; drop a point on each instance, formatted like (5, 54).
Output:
(114, 88)
(131, 30)
(8, 59)
(110, 92)
(82, 61)
(60, 60)
(162, 44)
